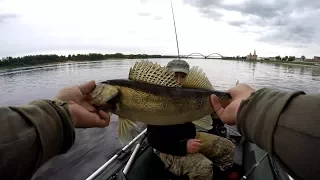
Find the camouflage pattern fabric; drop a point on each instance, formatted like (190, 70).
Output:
(214, 150)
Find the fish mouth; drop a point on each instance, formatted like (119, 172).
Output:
(110, 105)
(104, 97)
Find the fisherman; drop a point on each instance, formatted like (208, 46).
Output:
(184, 151)
(286, 124)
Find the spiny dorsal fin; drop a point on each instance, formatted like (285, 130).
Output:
(124, 130)
(152, 73)
(197, 79)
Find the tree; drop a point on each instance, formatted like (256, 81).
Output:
(291, 58)
(278, 58)
(285, 58)
(303, 58)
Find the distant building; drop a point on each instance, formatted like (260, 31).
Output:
(308, 60)
(315, 59)
(252, 57)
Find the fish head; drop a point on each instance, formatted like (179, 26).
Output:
(104, 97)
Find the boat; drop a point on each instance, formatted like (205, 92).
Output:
(137, 161)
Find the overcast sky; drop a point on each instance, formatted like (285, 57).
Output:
(230, 27)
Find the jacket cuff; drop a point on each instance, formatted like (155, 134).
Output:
(258, 115)
(183, 147)
(67, 123)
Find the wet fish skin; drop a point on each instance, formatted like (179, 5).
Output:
(159, 105)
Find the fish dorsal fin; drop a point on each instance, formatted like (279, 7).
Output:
(197, 79)
(124, 130)
(152, 73)
(205, 122)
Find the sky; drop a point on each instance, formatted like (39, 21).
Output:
(228, 27)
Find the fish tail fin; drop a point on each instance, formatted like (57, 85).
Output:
(205, 122)
(197, 79)
(124, 130)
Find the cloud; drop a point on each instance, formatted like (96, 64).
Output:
(157, 17)
(5, 16)
(145, 26)
(147, 14)
(288, 22)
(237, 23)
(143, 1)
(144, 14)
(206, 7)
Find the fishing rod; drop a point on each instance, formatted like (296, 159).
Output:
(175, 30)
(249, 172)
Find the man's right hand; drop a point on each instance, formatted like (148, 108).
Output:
(193, 145)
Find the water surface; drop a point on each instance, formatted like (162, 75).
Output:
(95, 146)
(22, 85)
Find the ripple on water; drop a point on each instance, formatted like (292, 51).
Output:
(94, 146)
(21, 85)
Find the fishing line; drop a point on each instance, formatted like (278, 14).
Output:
(175, 30)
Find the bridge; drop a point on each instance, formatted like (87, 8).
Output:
(210, 56)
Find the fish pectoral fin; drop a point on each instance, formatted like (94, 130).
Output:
(197, 79)
(152, 73)
(124, 128)
(205, 122)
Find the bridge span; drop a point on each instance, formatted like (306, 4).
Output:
(203, 56)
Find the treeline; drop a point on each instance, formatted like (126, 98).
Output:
(289, 58)
(53, 58)
(235, 57)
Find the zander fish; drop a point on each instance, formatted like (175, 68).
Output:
(152, 96)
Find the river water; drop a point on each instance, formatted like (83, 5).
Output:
(25, 84)
(95, 146)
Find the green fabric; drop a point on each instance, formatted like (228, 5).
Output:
(286, 124)
(32, 134)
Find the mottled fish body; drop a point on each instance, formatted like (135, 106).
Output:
(152, 96)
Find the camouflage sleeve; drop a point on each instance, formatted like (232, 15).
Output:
(32, 134)
(286, 124)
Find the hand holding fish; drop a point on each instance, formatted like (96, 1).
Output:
(83, 114)
(193, 145)
(229, 113)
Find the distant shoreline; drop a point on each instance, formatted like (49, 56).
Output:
(34, 60)
(37, 60)
(297, 63)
